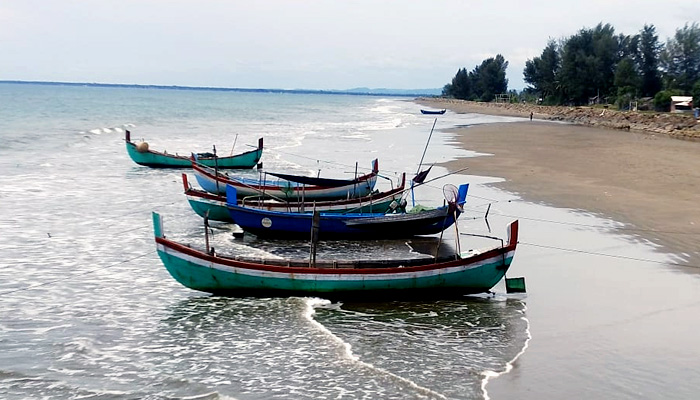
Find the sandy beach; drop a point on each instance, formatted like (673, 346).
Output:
(601, 327)
(649, 181)
(676, 125)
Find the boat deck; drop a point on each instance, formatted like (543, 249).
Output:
(343, 264)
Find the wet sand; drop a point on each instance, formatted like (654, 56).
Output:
(601, 327)
(650, 182)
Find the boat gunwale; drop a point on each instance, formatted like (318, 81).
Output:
(251, 264)
(188, 158)
(373, 197)
(226, 161)
(433, 112)
(255, 185)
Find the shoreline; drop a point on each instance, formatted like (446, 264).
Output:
(649, 182)
(676, 125)
(598, 326)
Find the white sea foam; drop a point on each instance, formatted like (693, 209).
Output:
(130, 321)
(311, 303)
(43, 331)
(67, 371)
(509, 365)
(358, 135)
(384, 109)
(115, 129)
(207, 396)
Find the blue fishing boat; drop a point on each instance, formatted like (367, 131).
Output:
(433, 112)
(289, 225)
(287, 187)
(475, 271)
(142, 155)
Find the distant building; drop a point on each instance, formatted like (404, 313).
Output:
(681, 103)
(503, 98)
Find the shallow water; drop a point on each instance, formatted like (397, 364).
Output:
(88, 310)
(610, 316)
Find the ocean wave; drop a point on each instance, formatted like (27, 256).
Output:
(114, 129)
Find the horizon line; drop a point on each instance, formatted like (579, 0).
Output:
(352, 91)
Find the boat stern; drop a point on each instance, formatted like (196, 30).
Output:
(513, 234)
(231, 196)
(157, 225)
(462, 195)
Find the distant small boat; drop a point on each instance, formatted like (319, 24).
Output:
(356, 226)
(433, 111)
(142, 155)
(287, 187)
(205, 270)
(214, 205)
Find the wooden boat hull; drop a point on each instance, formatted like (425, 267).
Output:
(290, 225)
(155, 159)
(215, 183)
(433, 112)
(208, 205)
(204, 203)
(470, 273)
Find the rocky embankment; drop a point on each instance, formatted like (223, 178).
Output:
(677, 125)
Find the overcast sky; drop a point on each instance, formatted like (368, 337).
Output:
(315, 44)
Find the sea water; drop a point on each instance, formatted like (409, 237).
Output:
(87, 309)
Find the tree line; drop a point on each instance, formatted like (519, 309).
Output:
(597, 64)
(483, 83)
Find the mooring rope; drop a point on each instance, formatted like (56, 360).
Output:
(593, 253)
(101, 221)
(76, 274)
(578, 224)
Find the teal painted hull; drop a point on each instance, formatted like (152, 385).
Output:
(282, 189)
(209, 278)
(474, 272)
(203, 202)
(156, 159)
(219, 212)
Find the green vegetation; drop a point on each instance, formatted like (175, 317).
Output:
(648, 61)
(681, 59)
(594, 66)
(542, 73)
(627, 81)
(483, 83)
(597, 65)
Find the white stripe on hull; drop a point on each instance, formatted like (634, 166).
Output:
(356, 190)
(334, 276)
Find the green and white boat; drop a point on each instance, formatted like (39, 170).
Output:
(214, 205)
(142, 155)
(419, 278)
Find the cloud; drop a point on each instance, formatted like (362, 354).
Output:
(314, 43)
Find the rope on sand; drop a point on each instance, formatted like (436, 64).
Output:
(593, 253)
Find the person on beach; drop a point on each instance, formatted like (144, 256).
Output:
(530, 115)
